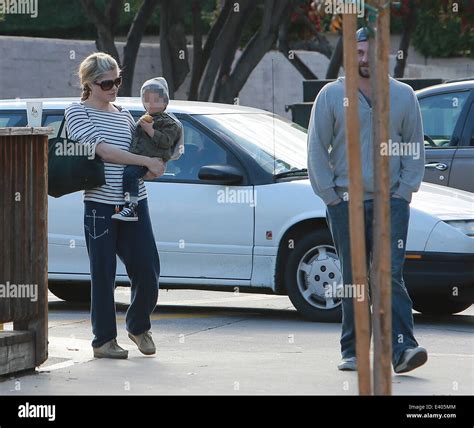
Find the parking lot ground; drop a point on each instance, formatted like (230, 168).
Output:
(232, 344)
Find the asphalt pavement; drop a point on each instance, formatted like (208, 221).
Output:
(226, 343)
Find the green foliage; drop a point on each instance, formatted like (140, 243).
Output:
(439, 31)
(67, 19)
(61, 21)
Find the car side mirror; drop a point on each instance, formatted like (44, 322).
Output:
(221, 174)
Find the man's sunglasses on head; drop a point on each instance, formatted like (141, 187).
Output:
(107, 85)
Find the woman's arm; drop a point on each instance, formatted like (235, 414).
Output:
(80, 128)
(109, 153)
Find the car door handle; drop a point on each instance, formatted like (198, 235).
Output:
(437, 165)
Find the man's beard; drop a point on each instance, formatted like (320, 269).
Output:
(365, 74)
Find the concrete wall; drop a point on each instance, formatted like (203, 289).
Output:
(35, 67)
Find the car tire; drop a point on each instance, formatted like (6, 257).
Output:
(438, 305)
(73, 293)
(311, 247)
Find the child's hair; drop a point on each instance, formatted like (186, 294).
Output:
(92, 68)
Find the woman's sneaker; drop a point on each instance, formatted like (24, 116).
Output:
(128, 213)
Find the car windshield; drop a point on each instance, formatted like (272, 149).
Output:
(277, 144)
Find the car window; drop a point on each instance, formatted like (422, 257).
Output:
(472, 132)
(199, 150)
(440, 113)
(8, 119)
(54, 121)
(277, 144)
(470, 122)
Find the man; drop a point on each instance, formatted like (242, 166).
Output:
(328, 173)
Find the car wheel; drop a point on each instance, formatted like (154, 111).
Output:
(311, 269)
(438, 305)
(74, 293)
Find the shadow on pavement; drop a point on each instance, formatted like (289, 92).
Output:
(266, 313)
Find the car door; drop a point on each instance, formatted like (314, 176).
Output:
(440, 113)
(67, 252)
(203, 230)
(462, 173)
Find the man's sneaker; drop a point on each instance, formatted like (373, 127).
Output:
(144, 342)
(411, 359)
(128, 213)
(348, 364)
(110, 349)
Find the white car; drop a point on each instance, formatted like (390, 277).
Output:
(237, 211)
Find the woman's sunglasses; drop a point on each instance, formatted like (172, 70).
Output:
(107, 85)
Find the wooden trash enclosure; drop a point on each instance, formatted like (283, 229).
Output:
(23, 247)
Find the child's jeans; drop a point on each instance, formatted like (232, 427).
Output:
(131, 178)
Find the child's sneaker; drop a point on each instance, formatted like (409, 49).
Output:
(128, 213)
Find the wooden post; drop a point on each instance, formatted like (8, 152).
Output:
(24, 246)
(381, 280)
(356, 204)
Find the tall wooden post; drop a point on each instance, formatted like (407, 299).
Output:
(356, 204)
(381, 280)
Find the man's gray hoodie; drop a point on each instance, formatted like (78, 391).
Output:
(327, 160)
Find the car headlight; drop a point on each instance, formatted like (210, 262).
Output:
(465, 226)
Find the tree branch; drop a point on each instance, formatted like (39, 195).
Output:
(132, 45)
(113, 8)
(408, 26)
(229, 54)
(94, 14)
(198, 69)
(103, 23)
(336, 60)
(284, 48)
(223, 42)
(259, 44)
(172, 42)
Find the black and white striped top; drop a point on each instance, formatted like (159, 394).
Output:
(91, 126)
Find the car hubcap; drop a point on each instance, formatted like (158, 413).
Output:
(319, 277)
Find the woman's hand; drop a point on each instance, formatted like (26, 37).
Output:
(147, 127)
(156, 168)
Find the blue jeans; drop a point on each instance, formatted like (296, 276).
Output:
(135, 244)
(131, 178)
(337, 217)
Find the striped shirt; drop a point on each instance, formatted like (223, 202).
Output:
(91, 126)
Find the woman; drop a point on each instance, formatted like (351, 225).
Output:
(107, 131)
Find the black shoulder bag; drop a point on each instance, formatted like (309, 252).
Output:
(71, 167)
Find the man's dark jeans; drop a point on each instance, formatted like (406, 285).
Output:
(402, 319)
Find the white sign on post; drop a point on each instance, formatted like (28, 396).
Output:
(34, 113)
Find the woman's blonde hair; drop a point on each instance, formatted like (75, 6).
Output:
(92, 68)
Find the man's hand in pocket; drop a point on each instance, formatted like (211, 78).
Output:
(336, 202)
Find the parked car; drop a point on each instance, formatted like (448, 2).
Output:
(448, 122)
(237, 211)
